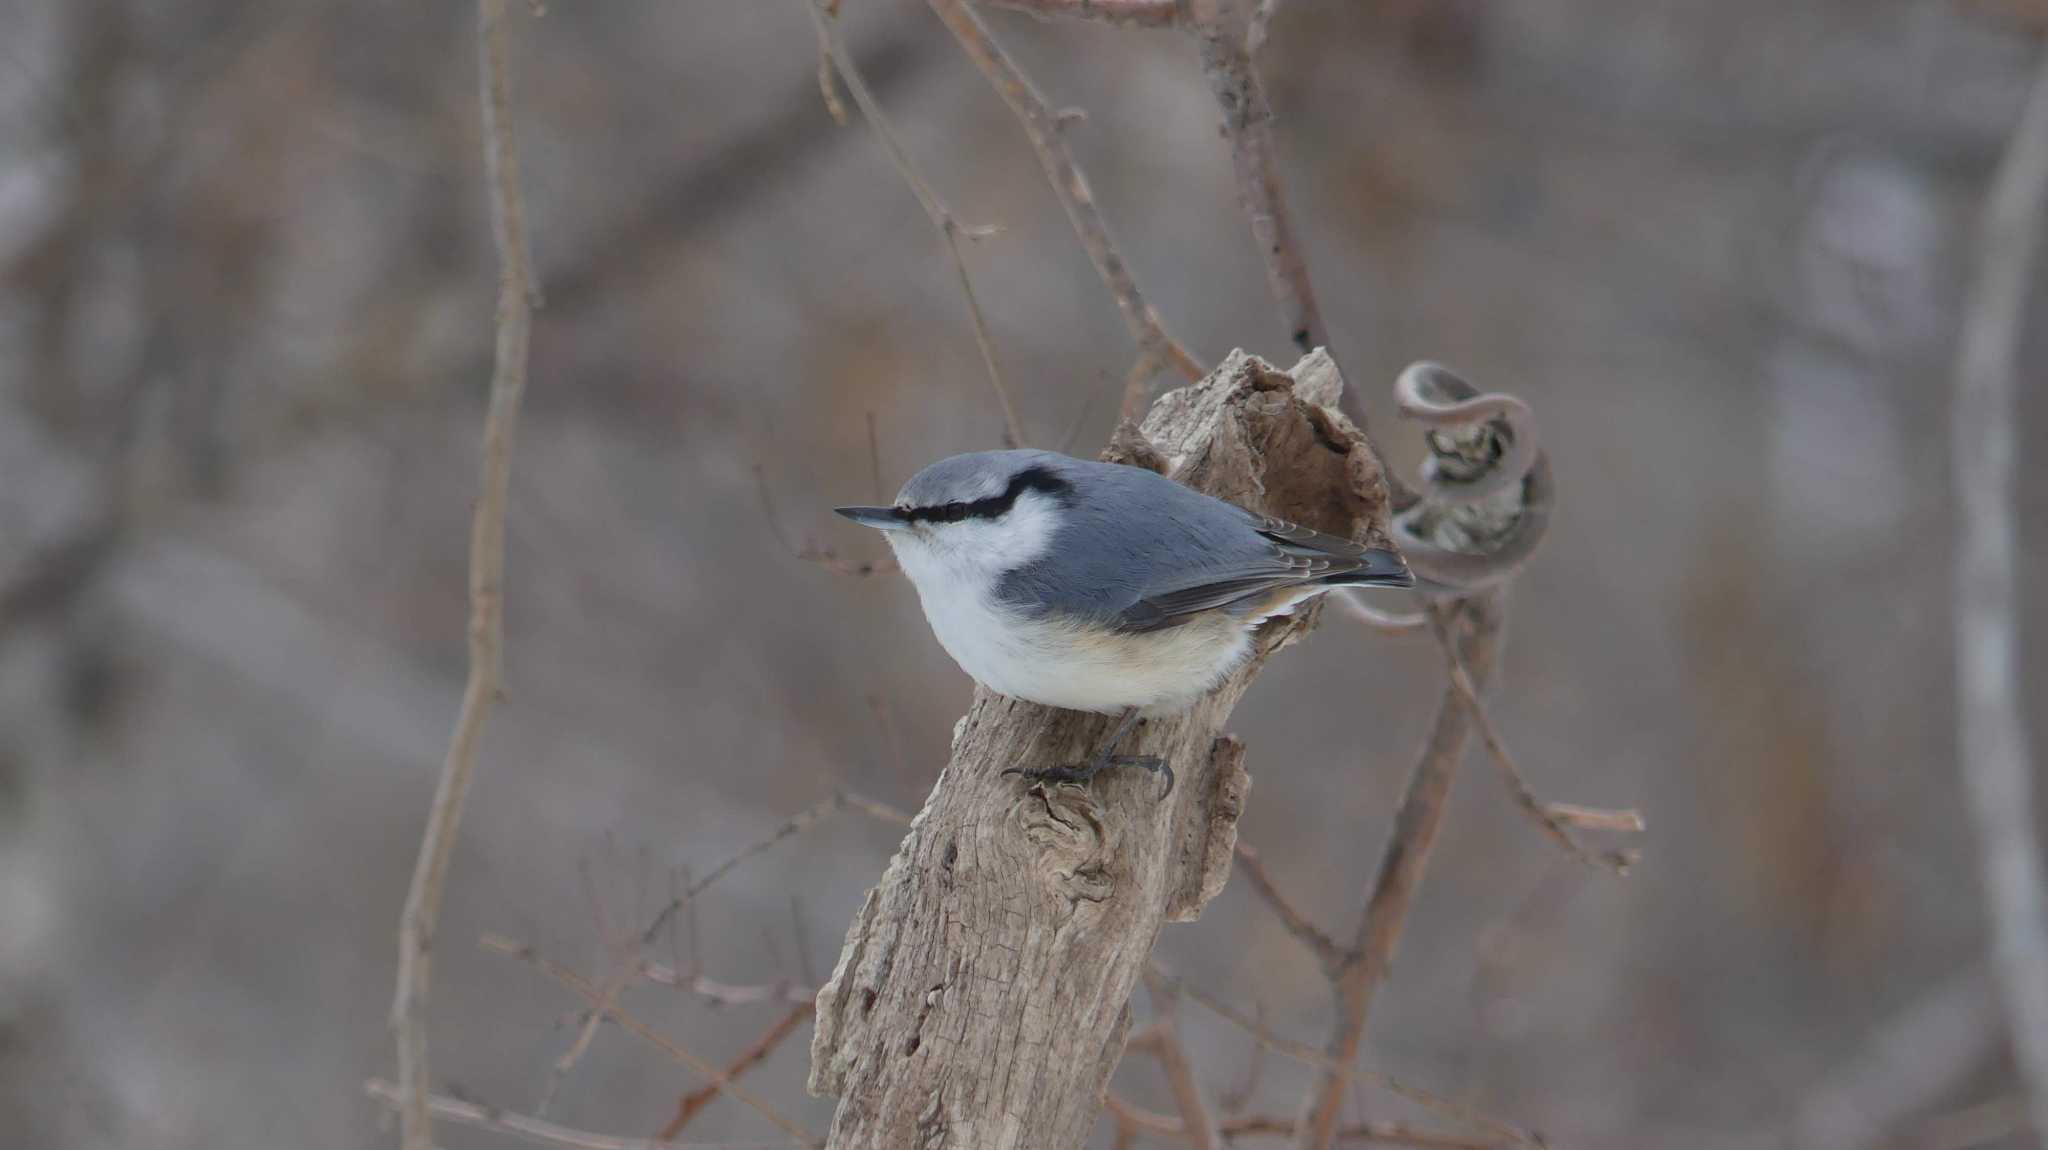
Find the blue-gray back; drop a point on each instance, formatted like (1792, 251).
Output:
(1136, 550)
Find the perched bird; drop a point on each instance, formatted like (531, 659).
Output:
(1100, 587)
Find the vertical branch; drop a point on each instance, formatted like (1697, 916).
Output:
(1224, 27)
(1991, 732)
(486, 576)
(1474, 625)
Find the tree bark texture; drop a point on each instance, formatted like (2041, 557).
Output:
(980, 1001)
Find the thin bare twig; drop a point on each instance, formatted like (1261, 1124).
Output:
(1554, 819)
(1349, 1072)
(1081, 415)
(1198, 1118)
(810, 552)
(875, 461)
(725, 993)
(1131, 13)
(608, 997)
(626, 967)
(1137, 390)
(827, 88)
(942, 218)
(1236, 1101)
(661, 974)
(1298, 924)
(1990, 716)
(1130, 1116)
(535, 1130)
(486, 581)
(1629, 821)
(1224, 26)
(593, 997)
(1042, 126)
(693, 1103)
(796, 824)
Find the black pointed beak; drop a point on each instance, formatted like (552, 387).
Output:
(881, 518)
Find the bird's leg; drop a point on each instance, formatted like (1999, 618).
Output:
(1105, 759)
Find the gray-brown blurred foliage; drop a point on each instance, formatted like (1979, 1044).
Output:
(245, 303)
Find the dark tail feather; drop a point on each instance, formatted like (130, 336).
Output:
(1383, 568)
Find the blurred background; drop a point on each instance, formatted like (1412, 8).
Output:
(246, 288)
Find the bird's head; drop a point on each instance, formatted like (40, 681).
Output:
(974, 516)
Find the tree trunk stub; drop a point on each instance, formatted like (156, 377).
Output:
(980, 1001)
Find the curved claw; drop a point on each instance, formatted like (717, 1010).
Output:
(1152, 763)
(1079, 776)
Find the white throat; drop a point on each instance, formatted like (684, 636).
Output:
(956, 568)
(967, 558)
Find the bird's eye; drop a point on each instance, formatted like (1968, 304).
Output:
(955, 512)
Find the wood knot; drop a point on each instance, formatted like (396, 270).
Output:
(1074, 845)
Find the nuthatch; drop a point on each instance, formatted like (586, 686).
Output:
(1101, 587)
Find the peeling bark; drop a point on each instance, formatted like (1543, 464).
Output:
(980, 1001)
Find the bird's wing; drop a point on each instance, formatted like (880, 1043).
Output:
(1292, 555)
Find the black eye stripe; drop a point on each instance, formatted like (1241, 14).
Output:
(1029, 479)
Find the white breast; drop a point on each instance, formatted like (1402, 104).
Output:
(956, 569)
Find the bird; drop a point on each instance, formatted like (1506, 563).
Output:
(1102, 587)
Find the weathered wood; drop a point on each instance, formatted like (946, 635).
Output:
(980, 1002)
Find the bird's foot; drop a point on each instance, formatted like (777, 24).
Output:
(1080, 774)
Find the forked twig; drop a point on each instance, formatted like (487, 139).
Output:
(942, 217)
(1346, 1073)
(1298, 924)
(593, 997)
(1224, 29)
(794, 825)
(1042, 126)
(1555, 819)
(694, 1102)
(809, 552)
(486, 581)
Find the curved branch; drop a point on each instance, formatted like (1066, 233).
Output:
(1484, 496)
